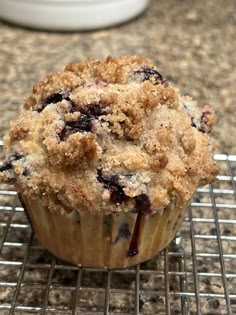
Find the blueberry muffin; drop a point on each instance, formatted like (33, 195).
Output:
(106, 157)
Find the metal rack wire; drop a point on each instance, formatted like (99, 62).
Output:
(196, 274)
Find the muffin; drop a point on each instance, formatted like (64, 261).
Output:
(106, 157)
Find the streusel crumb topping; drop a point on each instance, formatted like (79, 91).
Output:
(106, 135)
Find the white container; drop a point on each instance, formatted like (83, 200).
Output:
(67, 15)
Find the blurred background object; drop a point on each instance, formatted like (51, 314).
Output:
(67, 15)
(193, 44)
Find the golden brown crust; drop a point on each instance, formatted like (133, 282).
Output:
(105, 127)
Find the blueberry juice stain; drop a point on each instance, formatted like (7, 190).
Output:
(142, 207)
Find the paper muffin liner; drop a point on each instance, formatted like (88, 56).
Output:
(97, 240)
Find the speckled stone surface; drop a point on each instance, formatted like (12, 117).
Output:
(193, 43)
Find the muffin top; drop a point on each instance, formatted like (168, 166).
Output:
(109, 135)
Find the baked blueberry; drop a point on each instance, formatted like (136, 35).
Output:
(85, 122)
(53, 99)
(123, 233)
(147, 73)
(56, 98)
(112, 184)
(7, 165)
(204, 122)
(26, 172)
(94, 110)
(193, 123)
(142, 203)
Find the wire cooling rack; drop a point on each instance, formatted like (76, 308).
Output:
(196, 274)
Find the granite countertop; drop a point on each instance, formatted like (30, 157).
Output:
(193, 43)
